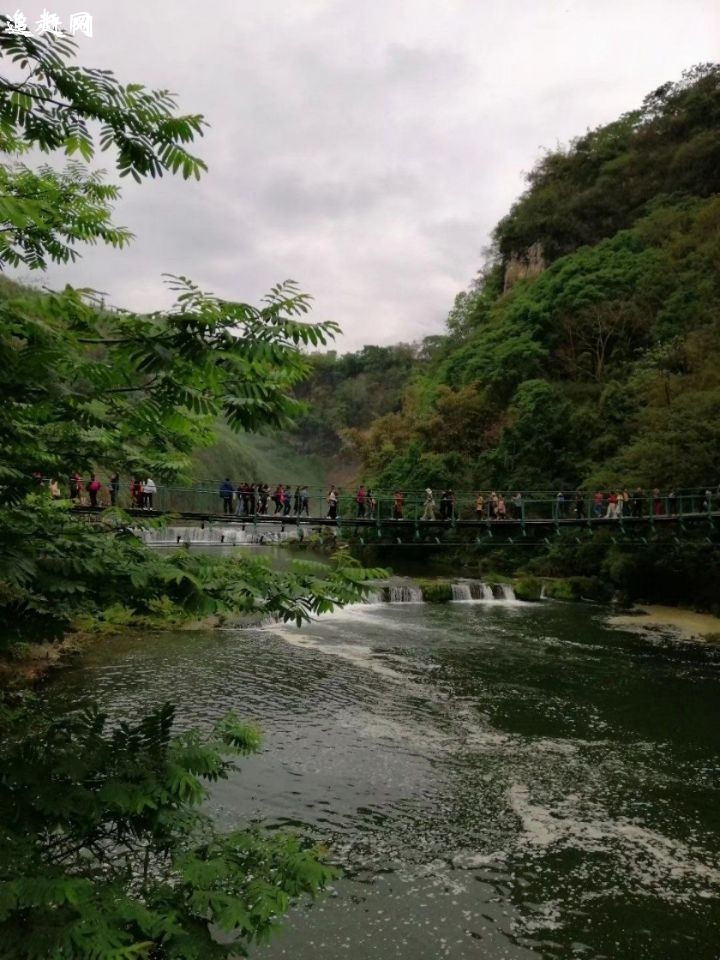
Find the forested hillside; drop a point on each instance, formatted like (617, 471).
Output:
(350, 391)
(587, 351)
(341, 398)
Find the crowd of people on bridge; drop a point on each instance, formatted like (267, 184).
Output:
(259, 499)
(282, 500)
(91, 492)
(255, 499)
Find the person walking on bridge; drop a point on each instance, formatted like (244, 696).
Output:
(149, 491)
(93, 486)
(332, 502)
(429, 511)
(398, 505)
(226, 495)
(360, 499)
(75, 486)
(137, 493)
(114, 486)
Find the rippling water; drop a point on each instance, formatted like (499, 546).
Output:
(496, 780)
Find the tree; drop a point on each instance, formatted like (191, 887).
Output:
(50, 105)
(103, 853)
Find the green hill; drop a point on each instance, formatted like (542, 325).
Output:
(588, 349)
(257, 458)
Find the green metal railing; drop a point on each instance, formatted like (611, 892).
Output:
(204, 499)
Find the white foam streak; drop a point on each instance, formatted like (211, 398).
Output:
(655, 861)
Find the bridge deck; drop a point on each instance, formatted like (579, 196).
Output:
(368, 522)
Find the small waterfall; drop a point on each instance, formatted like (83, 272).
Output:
(478, 591)
(374, 596)
(404, 593)
(461, 591)
(394, 591)
(508, 594)
(215, 535)
(486, 591)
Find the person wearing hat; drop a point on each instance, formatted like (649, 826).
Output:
(429, 511)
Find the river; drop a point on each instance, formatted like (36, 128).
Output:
(497, 780)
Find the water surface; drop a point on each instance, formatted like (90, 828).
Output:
(497, 780)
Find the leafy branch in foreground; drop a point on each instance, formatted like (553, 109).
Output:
(53, 105)
(82, 387)
(54, 572)
(105, 854)
(49, 104)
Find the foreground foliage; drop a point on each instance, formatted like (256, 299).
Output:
(105, 854)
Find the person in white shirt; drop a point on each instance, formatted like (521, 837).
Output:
(149, 491)
(332, 501)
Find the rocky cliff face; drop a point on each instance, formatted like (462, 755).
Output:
(528, 264)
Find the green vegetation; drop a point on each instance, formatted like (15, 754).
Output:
(346, 393)
(103, 852)
(665, 570)
(586, 354)
(271, 458)
(436, 591)
(576, 588)
(528, 588)
(588, 350)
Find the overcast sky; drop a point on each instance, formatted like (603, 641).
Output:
(364, 149)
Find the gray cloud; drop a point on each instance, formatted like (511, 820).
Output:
(365, 150)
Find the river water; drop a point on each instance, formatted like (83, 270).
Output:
(496, 780)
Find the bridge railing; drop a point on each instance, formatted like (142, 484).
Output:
(204, 499)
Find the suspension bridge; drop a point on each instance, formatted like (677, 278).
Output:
(690, 516)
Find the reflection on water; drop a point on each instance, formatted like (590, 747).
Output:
(497, 781)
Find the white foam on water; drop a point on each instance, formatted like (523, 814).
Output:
(467, 731)
(378, 614)
(656, 863)
(358, 654)
(469, 860)
(477, 591)
(566, 748)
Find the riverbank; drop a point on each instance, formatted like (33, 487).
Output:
(655, 618)
(32, 662)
